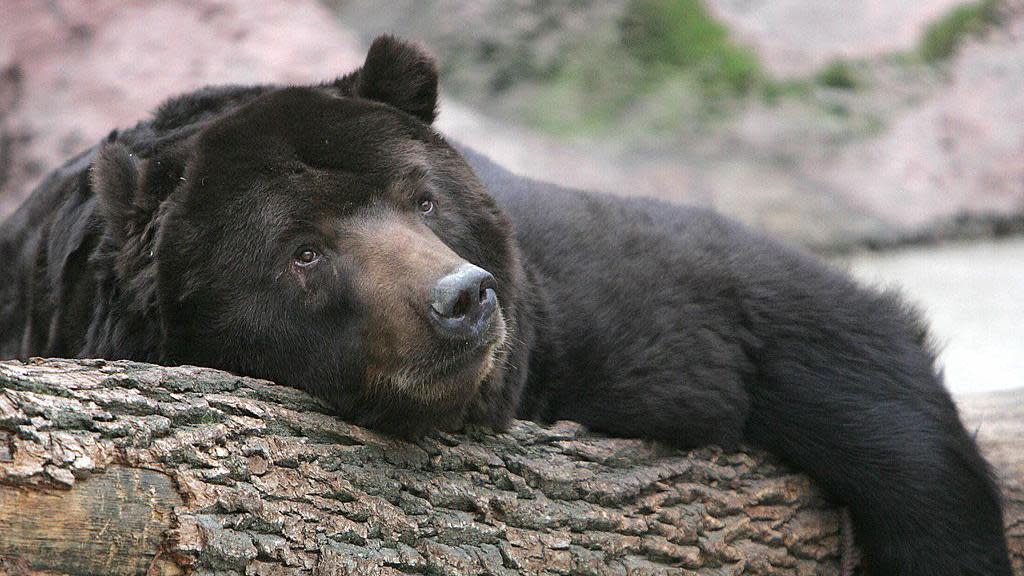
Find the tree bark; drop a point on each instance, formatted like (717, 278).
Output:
(126, 468)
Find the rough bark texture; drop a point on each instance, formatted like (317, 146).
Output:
(126, 468)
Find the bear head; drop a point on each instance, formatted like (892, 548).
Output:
(328, 238)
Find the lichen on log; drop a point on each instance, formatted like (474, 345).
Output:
(127, 468)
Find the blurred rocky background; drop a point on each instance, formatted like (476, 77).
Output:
(834, 123)
(843, 126)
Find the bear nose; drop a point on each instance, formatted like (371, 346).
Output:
(463, 302)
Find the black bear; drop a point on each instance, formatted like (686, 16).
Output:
(328, 238)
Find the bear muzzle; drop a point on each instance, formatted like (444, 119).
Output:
(463, 303)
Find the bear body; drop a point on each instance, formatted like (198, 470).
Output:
(297, 234)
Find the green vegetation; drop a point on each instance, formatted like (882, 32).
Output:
(668, 36)
(667, 58)
(774, 91)
(840, 75)
(662, 68)
(667, 66)
(587, 93)
(943, 37)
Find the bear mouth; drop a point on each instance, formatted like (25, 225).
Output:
(453, 362)
(452, 373)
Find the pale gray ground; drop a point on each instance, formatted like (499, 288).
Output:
(973, 295)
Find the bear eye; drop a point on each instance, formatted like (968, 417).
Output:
(426, 206)
(306, 257)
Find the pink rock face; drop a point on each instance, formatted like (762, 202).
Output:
(798, 37)
(71, 71)
(961, 152)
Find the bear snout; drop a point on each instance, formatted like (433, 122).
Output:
(463, 303)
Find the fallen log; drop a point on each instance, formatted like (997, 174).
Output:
(126, 468)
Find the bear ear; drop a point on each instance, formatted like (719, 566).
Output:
(116, 180)
(401, 74)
